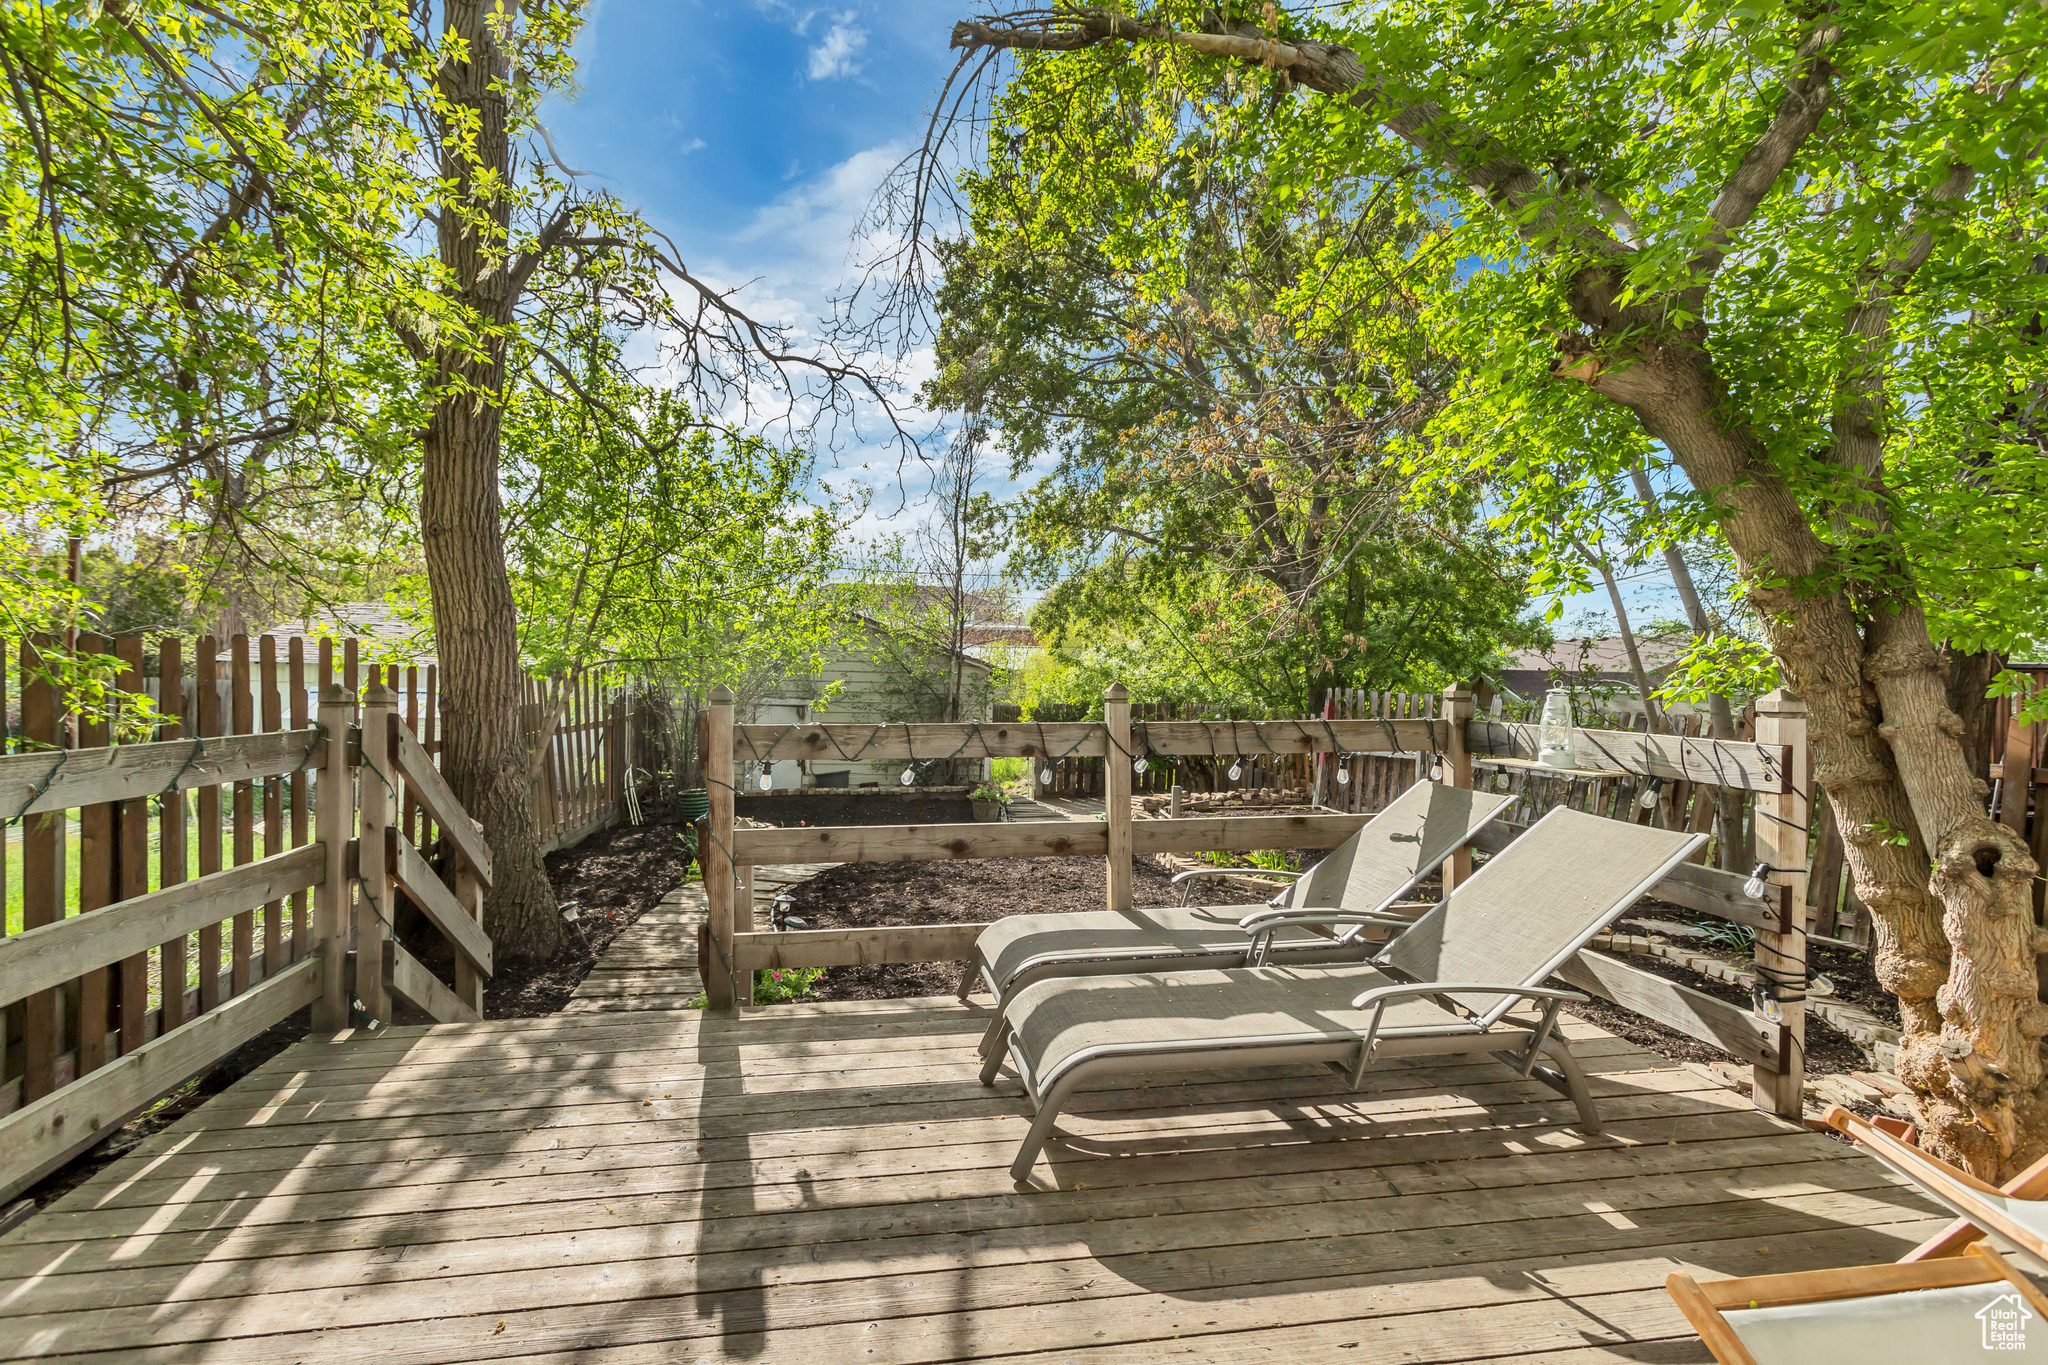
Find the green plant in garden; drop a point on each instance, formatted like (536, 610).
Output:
(784, 985)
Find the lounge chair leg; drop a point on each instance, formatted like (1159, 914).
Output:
(1575, 1083)
(967, 975)
(1042, 1126)
(994, 1049)
(991, 1043)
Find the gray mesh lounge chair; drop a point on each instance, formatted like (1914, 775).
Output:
(1443, 985)
(1347, 892)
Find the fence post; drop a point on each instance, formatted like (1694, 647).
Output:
(1116, 792)
(469, 894)
(334, 803)
(378, 797)
(1781, 836)
(715, 855)
(1459, 708)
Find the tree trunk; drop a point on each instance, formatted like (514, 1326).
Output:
(461, 524)
(1628, 636)
(1956, 938)
(1720, 715)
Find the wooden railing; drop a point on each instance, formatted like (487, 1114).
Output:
(97, 1039)
(1446, 739)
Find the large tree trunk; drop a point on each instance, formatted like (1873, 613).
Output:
(1956, 939)
(475, 622)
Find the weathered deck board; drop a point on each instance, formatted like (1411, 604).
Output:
(826, 1182)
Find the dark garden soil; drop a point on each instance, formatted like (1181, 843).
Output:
(860, 895)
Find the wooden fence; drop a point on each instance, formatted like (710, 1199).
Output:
(158, 973)
(585, 727)
(1772, 770)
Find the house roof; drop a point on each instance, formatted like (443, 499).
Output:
(1603, 654)
(382, 630)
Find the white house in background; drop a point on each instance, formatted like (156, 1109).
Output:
(863, 698)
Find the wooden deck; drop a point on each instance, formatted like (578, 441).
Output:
(825, 1183)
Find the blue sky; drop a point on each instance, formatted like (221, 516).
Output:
(753, 133)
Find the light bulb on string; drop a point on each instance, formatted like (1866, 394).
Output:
(1343, 771)
(767, 776)
(1045, 776)
(1754, 887)
(909, 776)
(1138, 765)
(1236, 771)
(1648, 800)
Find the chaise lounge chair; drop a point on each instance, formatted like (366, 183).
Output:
(1344, 896)
(2018, 1211)
(1951, 1299)
(1958, 1310)
(1443, 985)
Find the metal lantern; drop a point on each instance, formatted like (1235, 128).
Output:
(1554, 733)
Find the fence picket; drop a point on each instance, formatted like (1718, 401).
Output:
(295, 683)
(42, 879)
(99, 856)
(207, 685)
(133, 836)
(242, 721)
(171, 834)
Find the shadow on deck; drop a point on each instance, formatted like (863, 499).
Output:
(825, 1183)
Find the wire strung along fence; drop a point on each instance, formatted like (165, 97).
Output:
(1451, 741)
(1082, 774)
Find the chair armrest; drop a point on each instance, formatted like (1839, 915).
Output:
(1275, 919)
(1180, 877)
(1380, 995)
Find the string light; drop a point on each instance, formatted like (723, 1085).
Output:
(767, 775)
(1344, 770)
(1138, 765)
(1648, 800)
(1754, 887)
(1045, 776)
(909, 776)
(1236, 771)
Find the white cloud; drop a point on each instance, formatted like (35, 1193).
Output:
(695, 144)
(838, 54)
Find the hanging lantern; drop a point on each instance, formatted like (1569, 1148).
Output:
(1554, 733)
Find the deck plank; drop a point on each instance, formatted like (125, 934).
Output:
(823, 1182)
